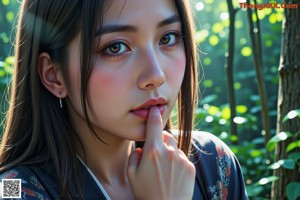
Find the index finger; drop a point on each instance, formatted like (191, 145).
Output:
(154, 128)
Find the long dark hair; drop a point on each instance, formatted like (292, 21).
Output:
(37, 129)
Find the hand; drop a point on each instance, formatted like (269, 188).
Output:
(160, 170)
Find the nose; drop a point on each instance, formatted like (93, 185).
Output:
(152, 74)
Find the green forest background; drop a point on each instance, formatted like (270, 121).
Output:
(213, 113)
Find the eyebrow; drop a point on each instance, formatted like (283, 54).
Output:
(128, 28)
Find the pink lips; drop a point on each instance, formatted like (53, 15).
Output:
(142, 111)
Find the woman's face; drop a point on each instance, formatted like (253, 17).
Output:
(139, 62)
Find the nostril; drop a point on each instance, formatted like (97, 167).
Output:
(149, 85)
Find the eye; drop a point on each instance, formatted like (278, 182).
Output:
(116, 48)
(169, 39)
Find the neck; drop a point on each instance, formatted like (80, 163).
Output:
(107, 161)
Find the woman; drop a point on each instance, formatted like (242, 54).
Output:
(93, 88)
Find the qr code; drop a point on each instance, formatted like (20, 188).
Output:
(11, 188)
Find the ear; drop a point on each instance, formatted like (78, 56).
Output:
(51, 76)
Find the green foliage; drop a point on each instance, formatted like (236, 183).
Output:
(291, 115)
(292, 191)
(282, 136)
(8, 10)
(213, 113)
(286, 163)
(292, 161)
(212, 35)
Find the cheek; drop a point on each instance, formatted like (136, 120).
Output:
(177, 68)
(106, 84)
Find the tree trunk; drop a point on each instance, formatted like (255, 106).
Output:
(229, 70)
(288, 96)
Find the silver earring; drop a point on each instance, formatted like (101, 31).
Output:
(60, 101)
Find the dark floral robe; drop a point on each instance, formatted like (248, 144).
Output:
(218, 175)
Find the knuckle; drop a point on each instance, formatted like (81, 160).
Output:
(168, 135)
(172, 153)
(189, 168)
(169, 139)
(155, 151)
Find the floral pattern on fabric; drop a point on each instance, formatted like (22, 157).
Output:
(219, 190)
(31, 188)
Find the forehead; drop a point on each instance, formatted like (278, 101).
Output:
(138, 11)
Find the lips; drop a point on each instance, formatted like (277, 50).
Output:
(142, 110)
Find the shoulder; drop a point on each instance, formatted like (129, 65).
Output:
(207, 143)
(212, 154)
(218, 170)
(31, 186)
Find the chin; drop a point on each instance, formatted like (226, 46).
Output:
(139, 138)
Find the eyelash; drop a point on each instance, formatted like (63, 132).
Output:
(121, 44)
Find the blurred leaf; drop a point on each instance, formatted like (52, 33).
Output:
(293, 145)
(254, 190)
(254, 17)
(217, 27)
(259, 140)
(255, 153)
(292, 190)
(234, 150)
(226, 113)
(291, 115)
(200, 110)
(255, 98)
(285, 163)
(207, 61)
(10, 60)
(208, 83)
(224, 136)
(246, 51)
(213, 110)
(273, 18)
(5, 2)
(268, 43)
(237, 85)
(277, 138)
(222, 6)
(294, 156)
(261, 14)
(234, 138)
(288, 164)
(2, 73)
(10, 16)
(243, 41)
(201, 36)
(267, 180)
(209, 99)
(241, 109)
(209, 1)
(239, 120)
(238, 24)
(213, 40)
(279, 17)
